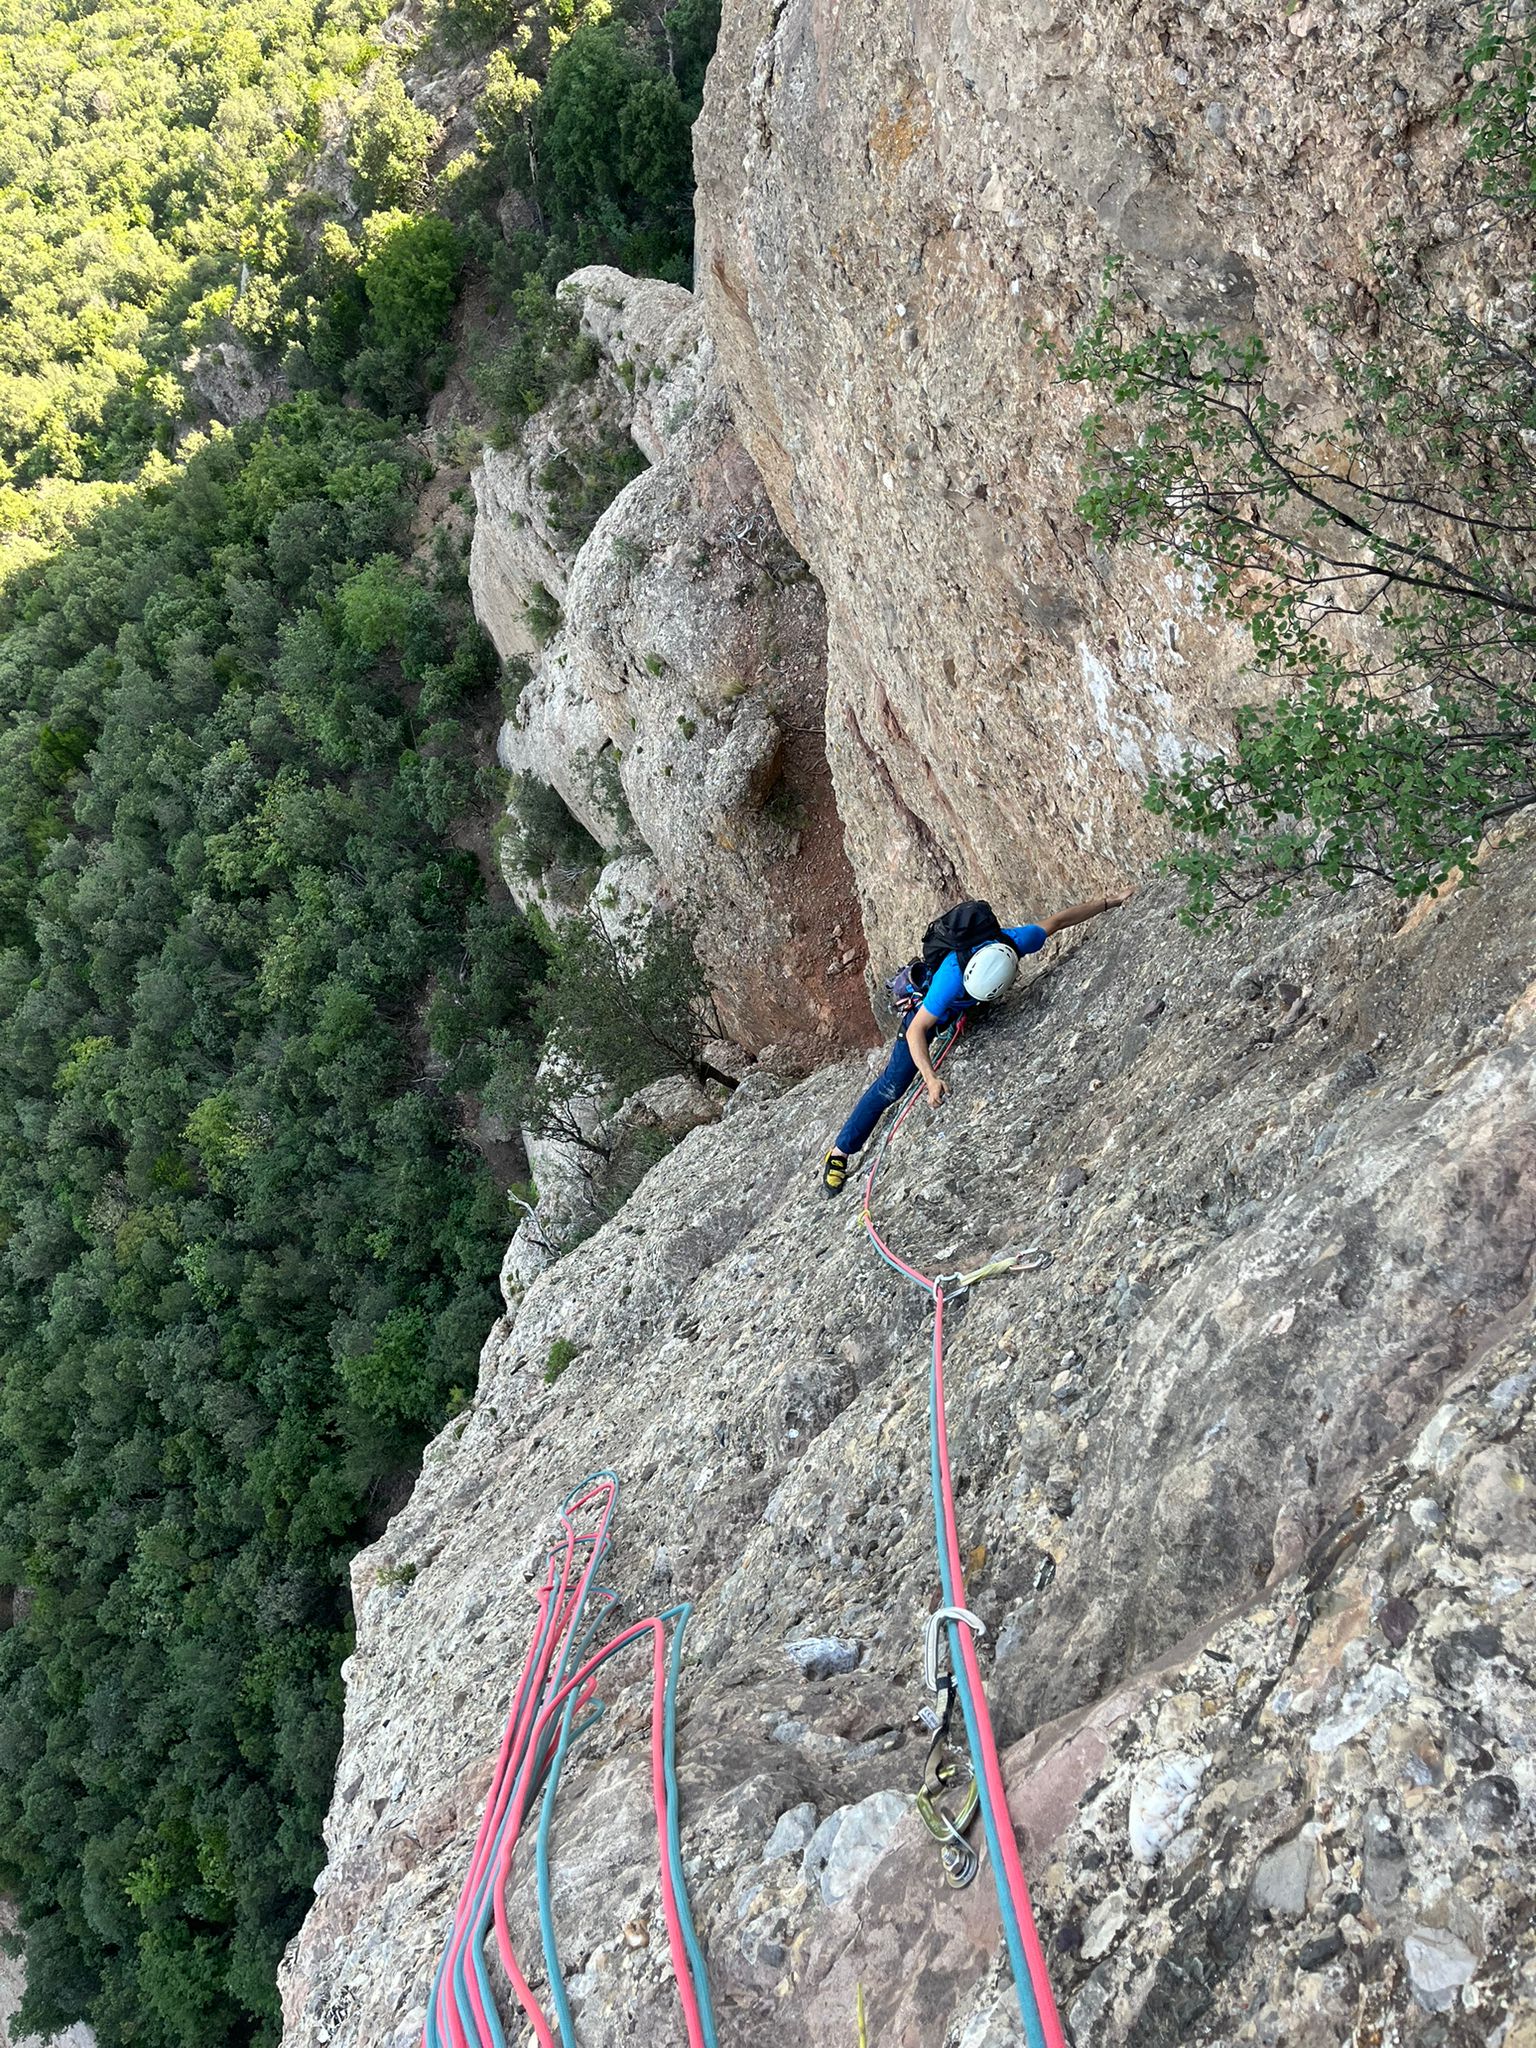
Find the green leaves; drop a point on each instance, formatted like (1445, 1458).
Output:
(1498, 105)
(410, 273)
(244, 1254)
(1382, 572)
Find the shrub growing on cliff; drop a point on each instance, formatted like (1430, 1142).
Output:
(547, 354)
(614, 1014)
(1384, 569)
(1500, 105)
(544, 834)
(1390, 752)
(584, 477)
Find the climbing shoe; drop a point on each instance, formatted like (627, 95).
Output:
(834, 1173)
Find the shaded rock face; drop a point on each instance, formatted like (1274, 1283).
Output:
(894, 202)
(682, 698)
(1244, 1480)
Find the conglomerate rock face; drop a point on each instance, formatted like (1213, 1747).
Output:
(1244, 1480)
(896, 204)
(681, 699)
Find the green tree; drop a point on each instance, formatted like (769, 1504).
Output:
(1388, 755)
(580, 116)
(248, 1256)
(391, 142)
(410, 274)
(655, 157)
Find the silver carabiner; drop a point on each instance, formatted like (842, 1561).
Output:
(936, 1621)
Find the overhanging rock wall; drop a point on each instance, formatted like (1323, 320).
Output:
(895, 202)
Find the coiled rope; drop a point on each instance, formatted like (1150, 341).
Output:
(1042, 2025)
(557, 1685)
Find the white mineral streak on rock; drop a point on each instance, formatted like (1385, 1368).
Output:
(1380, 1688)
(1162, 1797)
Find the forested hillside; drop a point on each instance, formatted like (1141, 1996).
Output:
(205, 174)
(250, 968)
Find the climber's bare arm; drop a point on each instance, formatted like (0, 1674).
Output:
(919, 1031)
(1080, 913)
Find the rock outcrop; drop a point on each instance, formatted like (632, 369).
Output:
(1244, 1475)
(571, 1189)
(896, 205)
(680, 701)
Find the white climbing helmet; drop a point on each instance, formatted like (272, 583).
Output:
(990, 970)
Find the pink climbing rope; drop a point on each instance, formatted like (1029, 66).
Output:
(538, 1703)
(1012, 1887)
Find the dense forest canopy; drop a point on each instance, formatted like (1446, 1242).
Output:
(246, 1256)
(150, 164)
(251, 973)
(202, 176)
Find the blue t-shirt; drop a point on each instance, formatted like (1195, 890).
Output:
(946, 998)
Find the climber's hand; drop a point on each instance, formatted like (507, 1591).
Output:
(936, 1092)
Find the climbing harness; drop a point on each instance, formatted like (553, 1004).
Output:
(552, 1707)
(962, 1680)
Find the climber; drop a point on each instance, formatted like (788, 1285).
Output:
(968, 958)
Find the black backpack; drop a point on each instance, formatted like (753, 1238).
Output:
(961, 930)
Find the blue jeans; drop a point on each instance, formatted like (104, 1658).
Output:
(900, 1070)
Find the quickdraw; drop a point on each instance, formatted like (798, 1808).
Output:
(1027, 1259)
(959, 1859)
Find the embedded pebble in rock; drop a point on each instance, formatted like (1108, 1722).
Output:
(1439, 1965)
(1106, 1923)
(1285, 1877)
(991, 2030)
(1161, 1798)
(823, 1656)
(818, 1849)
(792, 1832)
(1359, 1707)
(865, 1834)
(1291, 1604)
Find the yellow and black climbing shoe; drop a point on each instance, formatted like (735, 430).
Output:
(834, 1173)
